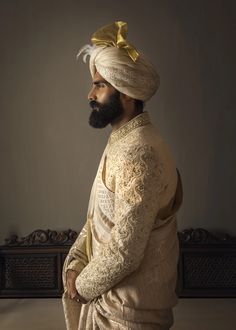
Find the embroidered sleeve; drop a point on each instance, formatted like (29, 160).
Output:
(138, 185)
(77, 257)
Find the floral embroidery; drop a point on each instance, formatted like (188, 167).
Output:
(137, 177)
(138, 183)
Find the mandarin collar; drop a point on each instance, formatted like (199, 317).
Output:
(140, 120)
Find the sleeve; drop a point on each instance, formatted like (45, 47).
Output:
(77, 258)
(138, 185)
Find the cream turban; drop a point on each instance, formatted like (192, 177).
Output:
(120, 64)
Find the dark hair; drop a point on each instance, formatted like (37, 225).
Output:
(139, 105)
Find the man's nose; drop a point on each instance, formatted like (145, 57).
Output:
(91, 95)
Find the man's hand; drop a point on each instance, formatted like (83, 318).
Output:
(71, 276)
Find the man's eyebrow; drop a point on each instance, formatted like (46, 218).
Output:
(96, 82)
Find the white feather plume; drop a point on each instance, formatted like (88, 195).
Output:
(86, 51)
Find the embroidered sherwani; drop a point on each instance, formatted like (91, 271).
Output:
(126, 255)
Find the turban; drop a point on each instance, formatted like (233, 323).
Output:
(119, 63)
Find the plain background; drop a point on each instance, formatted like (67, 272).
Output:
(49, 154)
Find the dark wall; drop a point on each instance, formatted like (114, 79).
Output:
(49, 154)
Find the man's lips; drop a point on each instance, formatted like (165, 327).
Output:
(95, 105)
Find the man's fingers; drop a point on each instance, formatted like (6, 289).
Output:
(70, 283)
(72, 293)
(71, 289)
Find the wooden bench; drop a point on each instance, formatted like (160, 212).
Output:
(32, 266)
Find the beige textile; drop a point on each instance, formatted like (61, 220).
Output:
(138, 80)
(131, 277)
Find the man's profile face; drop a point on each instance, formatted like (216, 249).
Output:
(105, 103)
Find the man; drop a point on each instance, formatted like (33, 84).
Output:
(121, 271)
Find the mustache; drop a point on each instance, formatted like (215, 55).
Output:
(94, 105)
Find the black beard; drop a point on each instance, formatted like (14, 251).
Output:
(104, 114)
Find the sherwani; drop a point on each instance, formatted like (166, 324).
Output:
(127, 253)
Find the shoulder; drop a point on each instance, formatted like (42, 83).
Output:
(133, 152)
(138, 161)
(146, 149)
(139, 145)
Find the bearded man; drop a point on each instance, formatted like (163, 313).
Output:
(121, 271)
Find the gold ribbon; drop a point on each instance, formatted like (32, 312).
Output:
(115, 35)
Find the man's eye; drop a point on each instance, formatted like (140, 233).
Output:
(100, 85)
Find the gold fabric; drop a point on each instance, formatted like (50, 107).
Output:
(131, 277)
(115, 35)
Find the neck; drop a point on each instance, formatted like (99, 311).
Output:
(124, 119)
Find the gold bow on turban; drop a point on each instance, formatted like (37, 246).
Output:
(115, 35)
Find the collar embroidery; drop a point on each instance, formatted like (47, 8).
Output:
(140, 120)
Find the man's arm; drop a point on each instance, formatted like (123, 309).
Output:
(138, 186)
(77, 258)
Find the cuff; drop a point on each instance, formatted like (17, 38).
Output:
(76, 266)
